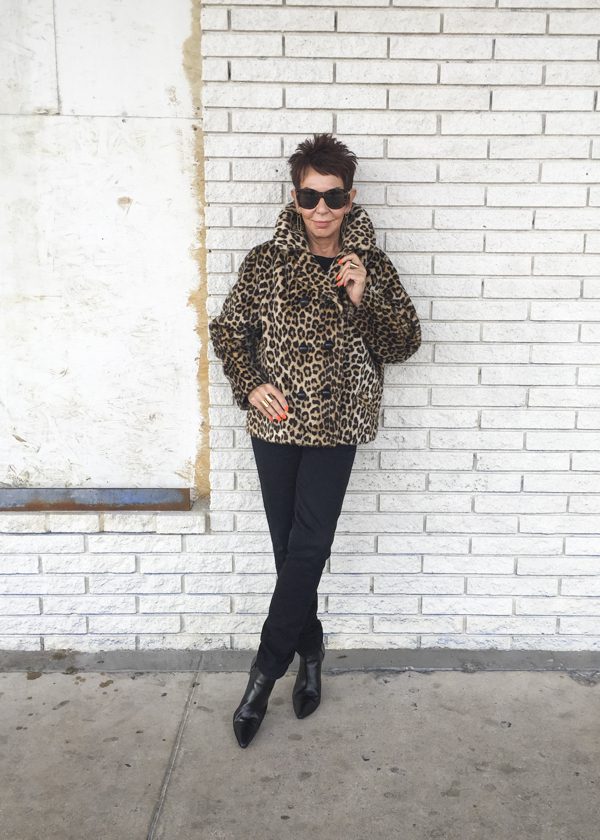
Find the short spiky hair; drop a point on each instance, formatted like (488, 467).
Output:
(325, 154)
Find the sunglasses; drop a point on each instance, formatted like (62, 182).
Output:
(335, 199)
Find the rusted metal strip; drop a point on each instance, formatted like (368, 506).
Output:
(87, 498)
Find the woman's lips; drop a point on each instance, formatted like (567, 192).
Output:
(322, 224)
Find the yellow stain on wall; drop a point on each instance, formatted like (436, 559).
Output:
(192, 64)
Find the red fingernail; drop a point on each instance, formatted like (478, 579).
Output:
(340, 260)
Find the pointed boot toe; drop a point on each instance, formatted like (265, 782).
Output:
(306, 694)
(249, 715)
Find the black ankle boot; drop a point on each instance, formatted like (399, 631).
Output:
(306, 694)
(249, 715)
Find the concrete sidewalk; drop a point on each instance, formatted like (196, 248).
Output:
(487, 750)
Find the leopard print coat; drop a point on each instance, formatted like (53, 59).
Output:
(285, 322)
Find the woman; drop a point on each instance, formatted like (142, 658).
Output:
(303, 335)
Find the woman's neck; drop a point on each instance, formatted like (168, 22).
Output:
(328, 248)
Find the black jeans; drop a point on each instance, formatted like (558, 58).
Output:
(303, 489)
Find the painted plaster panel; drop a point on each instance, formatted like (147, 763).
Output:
(27, 57)
(98, 340)
(123, 57)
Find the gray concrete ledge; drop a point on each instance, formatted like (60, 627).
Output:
(336, 661)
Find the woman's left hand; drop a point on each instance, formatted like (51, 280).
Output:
(353, 275)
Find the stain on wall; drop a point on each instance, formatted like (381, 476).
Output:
(192, 63)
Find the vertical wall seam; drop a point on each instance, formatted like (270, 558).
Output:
(192, 64)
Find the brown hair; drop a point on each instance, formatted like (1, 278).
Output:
(325, 154)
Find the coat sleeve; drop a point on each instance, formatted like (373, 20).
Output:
(386, 317)
(235, 332)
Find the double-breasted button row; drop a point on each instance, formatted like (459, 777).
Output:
(304, 348)
(301, 394)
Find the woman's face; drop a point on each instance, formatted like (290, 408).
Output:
(322, 223)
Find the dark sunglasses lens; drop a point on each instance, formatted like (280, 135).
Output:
(308, 199)
(335, 199)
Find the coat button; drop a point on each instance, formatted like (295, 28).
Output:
(303, 301)
(304, 348)
(301, 395)
(326, 392)
(328, 345)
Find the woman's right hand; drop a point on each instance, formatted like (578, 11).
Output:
(269, 400)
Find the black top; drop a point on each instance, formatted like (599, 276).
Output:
(324, 262)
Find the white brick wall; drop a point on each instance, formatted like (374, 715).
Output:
(473, 520)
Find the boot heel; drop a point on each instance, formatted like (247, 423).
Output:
(252, 708)
(306, 694)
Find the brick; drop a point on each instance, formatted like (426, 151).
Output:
(440, 47)
(282, 19)
(473, 438)
(416, 624)
(526, 375)
(418, 584)
(577, 310)
(337, 46)
(468, 565)
(491, 123)
(232, 95)
(495, 20)
(284, 120)
(211, 18)
(479, 310)
(569, 483)
(134, 542)
(13, 563)
(560, 397)
(488, 396)
(499, 544)
(574, 22)
(558, 606)
(491, 73)
(482, 353)
(22, 523)
(539, 147)
(134, 522)
(520, 461)
(419, 543)
(18, 606)
(88, 604)
(542, 99)
(38, 543)
(530, 287)
(520, 503)
(567, 441)
(581, 545)
(134, 623)
(527, 419)
(471, 522)
(439, 98)
(335, 96)
(238, 44)
(240, 145)
(388, 21)
(529, 331)
(385, 72)
(546, 48)
(281, 70)
(452, 482)
(466, 605)
(41, 584)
